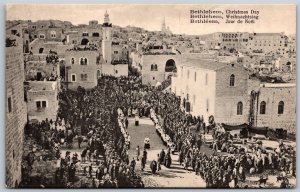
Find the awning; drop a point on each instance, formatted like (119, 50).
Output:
(234, 127)
(258, 130)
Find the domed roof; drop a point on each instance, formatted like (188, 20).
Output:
(106, 18)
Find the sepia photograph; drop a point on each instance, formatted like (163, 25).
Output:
(150, 96)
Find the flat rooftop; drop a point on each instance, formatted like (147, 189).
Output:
(278, 85)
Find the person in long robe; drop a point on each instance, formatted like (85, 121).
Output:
(153, 166)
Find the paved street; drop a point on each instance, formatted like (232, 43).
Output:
(176, 176)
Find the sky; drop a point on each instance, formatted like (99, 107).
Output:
(272, 18)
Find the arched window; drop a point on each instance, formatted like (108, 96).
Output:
(239, 108)
(262, 108)
(152, 67)
(72, 60)
(53, 34)
(232, 79)
(155, 67)
(280, 107)
(98, 74)
(83, 61)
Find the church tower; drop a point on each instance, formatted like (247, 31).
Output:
(163, 26)
(106, 41)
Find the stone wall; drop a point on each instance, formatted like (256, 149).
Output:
(42, 91)
(16, 115)
(227, 97)
(153, 77)
(272, 96)
(201, 90)
(58, 47)
(92, 69)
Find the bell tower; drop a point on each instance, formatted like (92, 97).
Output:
(106, 41)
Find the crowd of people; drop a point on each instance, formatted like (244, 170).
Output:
(216, 169)
(100, 114)
(48, 136)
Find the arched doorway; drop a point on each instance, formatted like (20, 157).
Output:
(84, 41)
(170, 66)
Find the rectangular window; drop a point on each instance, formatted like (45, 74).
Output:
(14, 32)
(85, 34)
(42, 36)
(116, 52)
(83, 77)
(38, 104)
(73, 78)
(41, 104)
(44, 104)
(9, 105)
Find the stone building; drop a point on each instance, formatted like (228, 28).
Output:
(50, 34)
(84, 68)
(276, 106)
(21, 30)
(42, 86)
(158, 67)
(213, 88)
(81, 68)
(256, 43)
(86, 63)
(42, 100)
(16, 110)
(42, 48)
(84, 35)
(226, 91)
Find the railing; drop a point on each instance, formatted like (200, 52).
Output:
(159, 53)
(115, 62)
